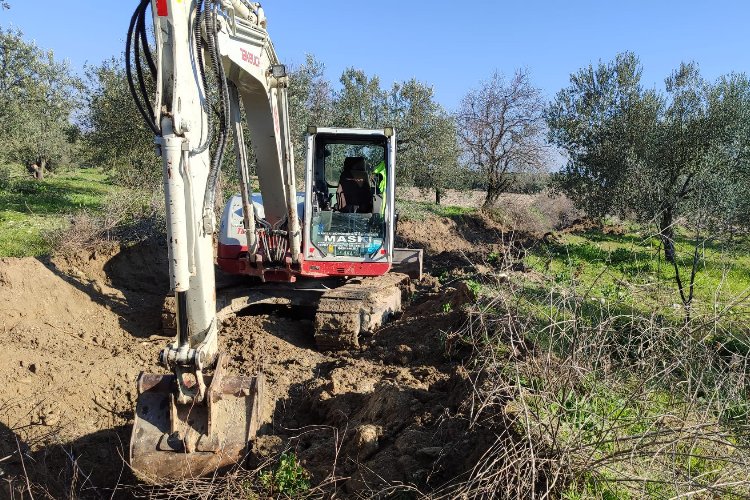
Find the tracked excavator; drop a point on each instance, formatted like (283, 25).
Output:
(330, 244)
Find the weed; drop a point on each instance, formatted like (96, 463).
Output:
(494, 259)
(475, 288)
(289, 478)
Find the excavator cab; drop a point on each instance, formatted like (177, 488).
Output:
(350, 224)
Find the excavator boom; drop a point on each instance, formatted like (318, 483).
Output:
(197, 418)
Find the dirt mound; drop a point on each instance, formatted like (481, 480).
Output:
(74, 345)
(465, 246)
(434, 234)
(77, 332)
(476, 232)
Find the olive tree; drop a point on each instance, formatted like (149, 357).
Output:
(361, 101)
(425, 133)
(680, 155)
(37, 97)
(115, 135)
(310, 103)
(426, 138)
(633, 152)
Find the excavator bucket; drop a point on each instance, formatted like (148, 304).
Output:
(171, 441)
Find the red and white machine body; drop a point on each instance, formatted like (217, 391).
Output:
(337, 240)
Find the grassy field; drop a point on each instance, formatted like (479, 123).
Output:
(627, 269)
(642, 402)
(30, 210)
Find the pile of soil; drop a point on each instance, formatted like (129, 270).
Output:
(79, 330)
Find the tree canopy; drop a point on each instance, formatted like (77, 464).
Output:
(649, 155)
(37, 96)
(426, 139)
(500, 127)
(115, 135)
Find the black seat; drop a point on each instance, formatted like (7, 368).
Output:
(354, 192)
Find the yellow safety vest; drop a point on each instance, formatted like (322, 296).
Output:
(380, 170)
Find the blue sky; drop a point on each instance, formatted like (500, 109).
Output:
(451, 45)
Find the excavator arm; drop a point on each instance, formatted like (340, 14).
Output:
(196, 418)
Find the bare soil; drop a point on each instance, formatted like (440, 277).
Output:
(77, 332)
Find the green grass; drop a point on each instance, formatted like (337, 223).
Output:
(289, 478)
(30, 209)
(606, 306)
(629, 270)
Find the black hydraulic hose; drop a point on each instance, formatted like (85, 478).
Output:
(198, 45)
(202, 71)
(144, 42)
(213, 173)
(138, 66)
(147, 116)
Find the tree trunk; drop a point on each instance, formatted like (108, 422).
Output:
(493, 194)
(438, 195)
(37, 169)
(666, 234)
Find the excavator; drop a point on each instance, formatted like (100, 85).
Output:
(330, 244)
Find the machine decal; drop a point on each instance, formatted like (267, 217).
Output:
(250, 58)
(350, 245)
(342, 238)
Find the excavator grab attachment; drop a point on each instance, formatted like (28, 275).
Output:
(171, 441)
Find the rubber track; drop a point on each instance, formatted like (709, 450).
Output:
(359, 306)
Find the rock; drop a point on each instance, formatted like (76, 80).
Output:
(50, 418)
(267, 446)
(404, 354)
(366, 440)
(429, 452)
(33, 368)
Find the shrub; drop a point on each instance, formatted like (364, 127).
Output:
(593, 399)
(126, 216)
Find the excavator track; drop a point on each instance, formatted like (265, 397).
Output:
(359, 306)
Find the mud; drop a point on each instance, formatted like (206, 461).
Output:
(78, 331)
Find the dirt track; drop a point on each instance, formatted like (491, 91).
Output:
(78, 331)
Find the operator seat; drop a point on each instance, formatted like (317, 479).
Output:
(354, 193)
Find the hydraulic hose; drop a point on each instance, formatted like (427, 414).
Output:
(209, 197)
(143, 107)
(144, 43)
(198, 46)
(138, 66)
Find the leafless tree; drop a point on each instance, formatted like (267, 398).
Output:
(501, 129)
